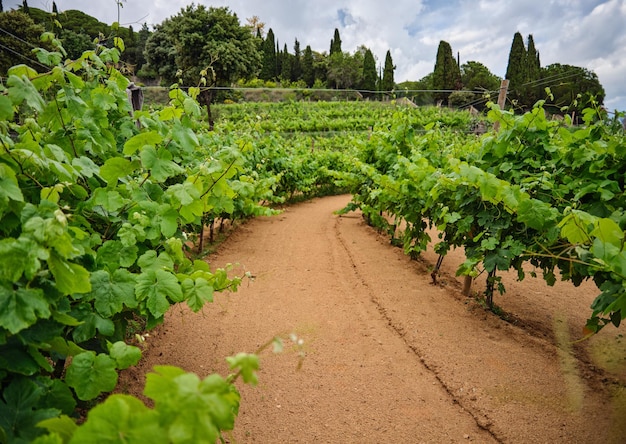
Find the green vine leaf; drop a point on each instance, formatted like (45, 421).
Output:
(155, 287)
(70, 278)
(159, 163)
(125, 355)
(21, 308)
(136, 143)
(112, 292)
(90, 374)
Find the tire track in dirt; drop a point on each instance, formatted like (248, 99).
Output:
(483, 422)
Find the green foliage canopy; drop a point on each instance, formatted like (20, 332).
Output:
(199, 39)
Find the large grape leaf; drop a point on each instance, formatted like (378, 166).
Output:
(125, 355)
(112, 292)
(90, 374)
(70, 278)
(197, 293)
(155, 287)
(135, 143)
(19, 309)
(121, 418)
(159, 163)
(20, 410)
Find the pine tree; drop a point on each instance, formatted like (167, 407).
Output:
(335, 43)
(268, 67)
(388, 83)
(370, 76)
(516, 68)
(447, 73)
(308, 70)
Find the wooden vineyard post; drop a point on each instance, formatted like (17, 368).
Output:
(504, 87)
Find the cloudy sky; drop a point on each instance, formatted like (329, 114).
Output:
(586, 33)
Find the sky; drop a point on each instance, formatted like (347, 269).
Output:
(585, 33)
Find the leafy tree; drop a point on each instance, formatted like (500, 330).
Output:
(475, 77)
(320, 65)
(447, 74)
(75, 43)
(388, 83)
(308, 70)
(20, 37)
(370, 74)
(335, 43)
(344, 70)
(572, 87)
(268, 67)
(82, 23)
(208, 46)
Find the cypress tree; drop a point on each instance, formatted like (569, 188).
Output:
(279, 60)
(335, 43)
(54, 8)
(1, 7)
(516, 68)
(296, 68)
(387, 82)
(285, 73)
(447, 74)
(268, 67)
(308, 70)
(25, 8)
(533, 72)
(370, 76)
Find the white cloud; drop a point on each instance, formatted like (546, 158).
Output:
(587, 33)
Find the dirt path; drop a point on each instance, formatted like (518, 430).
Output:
(389, 357)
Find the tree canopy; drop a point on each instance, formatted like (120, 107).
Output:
(200, 39)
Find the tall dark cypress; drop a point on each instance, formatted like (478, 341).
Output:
(388, 82)
(516, 68)
(335, 43)
(308, 70)
(447, 73)
(296, 68)
(532, 92)
(268, 68)
(370, 76)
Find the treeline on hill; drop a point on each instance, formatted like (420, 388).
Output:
(215, 49)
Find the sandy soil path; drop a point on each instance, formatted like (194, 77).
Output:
(389, 356)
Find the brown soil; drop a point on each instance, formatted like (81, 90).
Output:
(390, 357)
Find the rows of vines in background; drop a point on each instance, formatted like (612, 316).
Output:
(94, 214)
(539, 191)
(310, 146)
